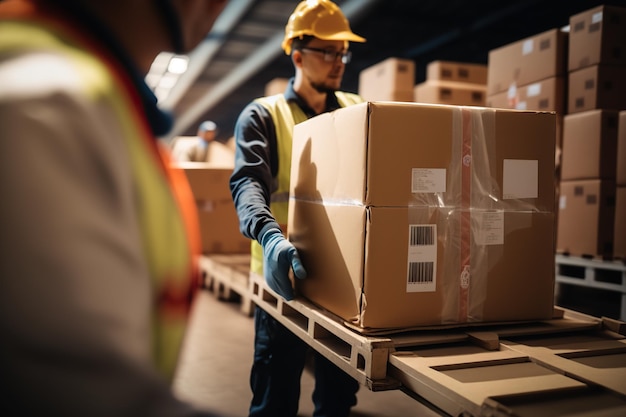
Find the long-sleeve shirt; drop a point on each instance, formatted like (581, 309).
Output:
(256, 163)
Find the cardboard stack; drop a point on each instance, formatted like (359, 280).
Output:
(209, 181)
(276, 86)
(588, 225)
(389, 80)
(409, 215)
(457, 83)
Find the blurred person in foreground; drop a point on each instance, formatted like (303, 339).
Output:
(99, 236)
(317, 37)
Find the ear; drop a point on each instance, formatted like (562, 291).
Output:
(296, 58)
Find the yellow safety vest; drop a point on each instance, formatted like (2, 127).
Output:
(285, 116)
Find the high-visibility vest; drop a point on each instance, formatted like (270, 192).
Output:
(285, 116)
(166, 214)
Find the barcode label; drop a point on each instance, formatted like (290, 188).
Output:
(422, 258)
(420, 272)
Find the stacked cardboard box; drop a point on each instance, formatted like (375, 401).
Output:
(389, 80)
(589, 222)
(276, 86)
(209, 182)
(456, 83)
(408, 214)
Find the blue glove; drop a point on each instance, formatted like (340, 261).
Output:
(278, 256)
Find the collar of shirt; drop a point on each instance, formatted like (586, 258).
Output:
(291, 95)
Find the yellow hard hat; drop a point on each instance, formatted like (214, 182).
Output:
(320, 18)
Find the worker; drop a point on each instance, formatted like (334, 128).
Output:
(98, 236)
(199, 151)
(317, 37)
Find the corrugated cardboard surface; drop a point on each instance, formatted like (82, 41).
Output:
(450, 92)
(586, 218)
(597, 87)
(363, 176)
(391, 79)
(457, 72)
(597, 36)
(527, 61)
(545, 95)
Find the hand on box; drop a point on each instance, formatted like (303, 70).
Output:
(279, 255)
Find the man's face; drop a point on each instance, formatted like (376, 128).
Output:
(322, 64)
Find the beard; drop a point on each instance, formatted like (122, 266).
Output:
(322, 87)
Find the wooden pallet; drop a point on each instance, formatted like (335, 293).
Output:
(228, 277)
(497, 370)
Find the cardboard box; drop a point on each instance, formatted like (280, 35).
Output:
(545, 95)
(457, 72)
(619, 232)
(407, 214)
(527, 61)
(597, 87)
(621, 150)
(392, 79)
(590, 145)
(219, 224)
(449, 92)
(597, 36)
(586, 218)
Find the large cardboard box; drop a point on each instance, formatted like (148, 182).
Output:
(527, 61)
(597, 87)
(545, 95)
(619, 233)
(621, 150)
(457, 72)
(450, 92)
(586, 218)
(597, 36)
(590, 145)
(408, 214)
(392, 79)
(209, 182)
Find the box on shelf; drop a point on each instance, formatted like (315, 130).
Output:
(219, 224)
(392, 79)
(450, 92)
(619, 232)
(276, 86)
(527, 61)
(586, 218)
(407, 214)
(546, 95)
(621, 149)
(457, 72)
(597, 36)
(597, 87)
(590, 145)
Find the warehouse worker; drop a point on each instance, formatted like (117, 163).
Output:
(98, 236)
(316, 38)
(199, 151)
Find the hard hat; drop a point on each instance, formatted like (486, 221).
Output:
(207, 126)
(320, 18)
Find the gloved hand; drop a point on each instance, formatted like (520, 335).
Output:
(278, 256)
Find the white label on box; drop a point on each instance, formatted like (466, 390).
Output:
(428, 180)
(527, 47)
(534, 90)
(422, 258)
(562, 202)
(596, 17)
(521, 105)
(520, 178)
(490, 228)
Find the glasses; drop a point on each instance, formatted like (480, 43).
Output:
(330, 55)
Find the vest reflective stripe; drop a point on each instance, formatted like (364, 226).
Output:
(285, 116)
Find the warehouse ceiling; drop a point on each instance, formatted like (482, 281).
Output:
(242, 53)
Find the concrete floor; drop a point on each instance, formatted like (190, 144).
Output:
(216, 360)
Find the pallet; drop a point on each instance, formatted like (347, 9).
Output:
(593, 273)
(227, 275)
(491, 370)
